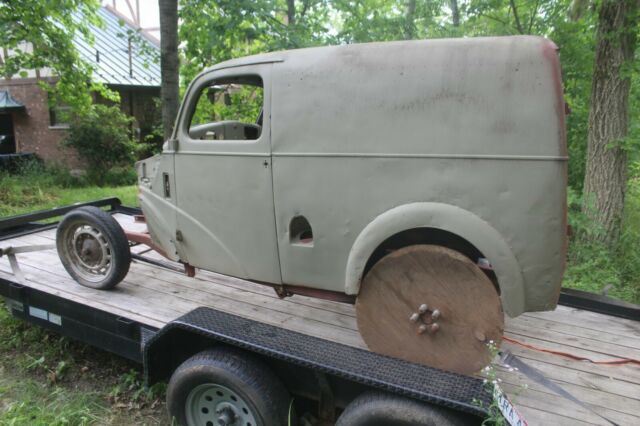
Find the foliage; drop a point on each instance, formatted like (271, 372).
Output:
(40, 34)
(101, 137)
(46, 379)
(37, 187)
(244, 104)
(594, 267)
(214, 31)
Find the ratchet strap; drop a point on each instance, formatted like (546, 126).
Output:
(507, 358)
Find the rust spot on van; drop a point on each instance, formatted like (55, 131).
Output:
(550, 53)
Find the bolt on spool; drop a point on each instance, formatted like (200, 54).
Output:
(425, 319)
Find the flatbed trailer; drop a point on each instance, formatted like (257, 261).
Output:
(158, 317)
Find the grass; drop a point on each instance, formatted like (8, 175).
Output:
(46, 379)
(36, 191)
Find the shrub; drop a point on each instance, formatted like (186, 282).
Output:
(101, 137)
(592, 266)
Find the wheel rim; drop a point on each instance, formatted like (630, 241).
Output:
(89, 252)
(215, 405)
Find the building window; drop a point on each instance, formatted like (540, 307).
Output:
(60, 116)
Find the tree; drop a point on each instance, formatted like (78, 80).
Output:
(455, 12)
(606, 170)
(169, 64)
(40, 34)
(409, 17)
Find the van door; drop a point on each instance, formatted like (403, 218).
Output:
(225, 212)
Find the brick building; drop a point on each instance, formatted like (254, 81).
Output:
(30, 123)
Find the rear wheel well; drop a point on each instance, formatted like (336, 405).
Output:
(432, 236)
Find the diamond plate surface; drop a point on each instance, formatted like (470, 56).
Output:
(390, 374)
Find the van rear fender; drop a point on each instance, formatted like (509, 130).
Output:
(448, 218)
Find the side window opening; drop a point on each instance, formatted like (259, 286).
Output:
(229, 109)
(300, 231)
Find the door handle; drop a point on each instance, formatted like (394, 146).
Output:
(166, 185)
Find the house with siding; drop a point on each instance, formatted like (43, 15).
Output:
(123, 58)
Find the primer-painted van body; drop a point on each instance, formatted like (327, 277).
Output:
(462, 137)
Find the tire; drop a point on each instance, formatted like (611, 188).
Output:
(93, 248)
(223, 380)
(381, 409)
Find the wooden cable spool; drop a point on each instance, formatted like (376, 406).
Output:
(430, 305)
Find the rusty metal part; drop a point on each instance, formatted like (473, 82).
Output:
(286, 290)
(143, 238)
(189, 270)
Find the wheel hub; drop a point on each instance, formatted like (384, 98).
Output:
(89, 251)
(226, 415)
(216, 405)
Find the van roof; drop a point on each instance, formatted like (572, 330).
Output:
(283, 55)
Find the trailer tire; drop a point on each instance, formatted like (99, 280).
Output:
(381, 409)
(225, 381)
(93, 248)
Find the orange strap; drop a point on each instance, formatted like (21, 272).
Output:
(621, 361)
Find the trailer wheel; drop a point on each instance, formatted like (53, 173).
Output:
(226, 387)
(381, 409)
(93, 248)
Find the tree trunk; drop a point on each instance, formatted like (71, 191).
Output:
(514, 9)
(606, 172)
(169, 64)
(455, 12)
(291, 12)
(409, 16)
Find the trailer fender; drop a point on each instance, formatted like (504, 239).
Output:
(447, 218)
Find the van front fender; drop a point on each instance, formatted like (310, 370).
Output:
(448, 218)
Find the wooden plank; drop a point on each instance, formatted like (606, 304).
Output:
(600, 350)
(591, 381)
(591, 320)
(537, 406)
(131, 292)
(200, 292)
(576, 330)
(623, 372)
(593, 397)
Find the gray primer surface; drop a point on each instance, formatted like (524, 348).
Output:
(369, 140)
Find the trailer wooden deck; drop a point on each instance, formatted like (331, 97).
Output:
(154, 296)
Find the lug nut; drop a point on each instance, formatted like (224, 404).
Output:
(435, 314)
(434, 328)
(414, 317)
(423, 308)
(422, 328)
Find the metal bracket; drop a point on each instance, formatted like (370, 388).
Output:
(11, 252)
